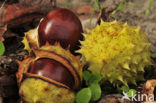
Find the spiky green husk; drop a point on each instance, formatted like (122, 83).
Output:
(39, 91)
(116, 50)
(35, 88)
(30, 39)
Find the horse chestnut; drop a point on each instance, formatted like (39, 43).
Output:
(52, 69)
(60, 25)
(49, 75)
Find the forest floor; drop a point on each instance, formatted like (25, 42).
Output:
(133, 15)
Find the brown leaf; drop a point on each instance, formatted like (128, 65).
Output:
(25, 12)
(150, 85)
(3, 26)
(17, 15)
(2, 31)
(18, 11)
(46, 5)
(84, 10)
(84, 13)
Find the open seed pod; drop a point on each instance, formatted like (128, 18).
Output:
(49, 76)
(60, 25)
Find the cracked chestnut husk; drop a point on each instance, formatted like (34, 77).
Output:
(50, 75)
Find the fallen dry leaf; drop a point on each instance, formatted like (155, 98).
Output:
(2, 31)
(150, 85)
(3, 26)
(17, 14)
(24, 12)
(84, 10)
(84, 13)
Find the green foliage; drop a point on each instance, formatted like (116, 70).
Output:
(96, 78)
(95, 5)
(2, 48)
(154, 55)
(96, 91)
(127, 90)
(83, 96)
(149, 7)
(122, 6)
(123, 88)
(91, 78)
(66, 3)
(86, 75)
(93, 89)
(131, 92)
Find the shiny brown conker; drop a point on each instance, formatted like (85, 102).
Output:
(53, 70)
(61, 25)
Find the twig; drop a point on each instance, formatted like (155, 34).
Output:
(2, 4)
